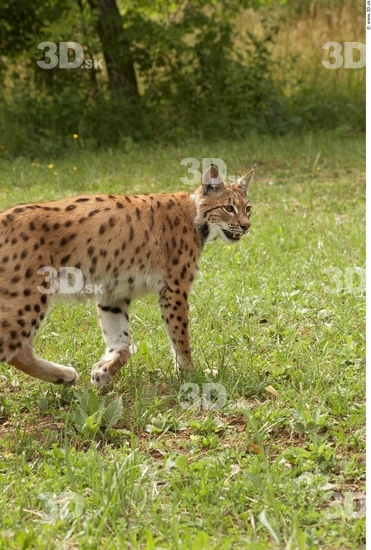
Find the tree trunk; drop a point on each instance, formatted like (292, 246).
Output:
(119, 62)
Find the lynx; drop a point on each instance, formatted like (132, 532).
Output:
(125, 247)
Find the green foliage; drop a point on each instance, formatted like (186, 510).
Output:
(164, 422)
(92, 415)
(20, 23)
(197, 77)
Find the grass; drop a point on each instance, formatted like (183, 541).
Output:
(131, 466)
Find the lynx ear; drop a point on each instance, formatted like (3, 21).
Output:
(245, 180)
(211, 181)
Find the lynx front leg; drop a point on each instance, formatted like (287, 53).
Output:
(174, 309)
(114, 321)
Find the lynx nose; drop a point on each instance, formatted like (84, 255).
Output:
(245, 226)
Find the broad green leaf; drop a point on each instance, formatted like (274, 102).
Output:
(113, 412)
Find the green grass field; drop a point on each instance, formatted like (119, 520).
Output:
(276, 320)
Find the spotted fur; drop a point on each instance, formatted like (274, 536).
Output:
(124, 246)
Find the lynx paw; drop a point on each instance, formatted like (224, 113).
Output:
(106, 368)
(100, 375)
(69, 377)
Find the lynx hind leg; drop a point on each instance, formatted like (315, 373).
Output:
(114, 321)
(25, 361)
(18, 330)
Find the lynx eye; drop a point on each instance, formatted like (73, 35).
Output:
(248, 209)
(229, 208)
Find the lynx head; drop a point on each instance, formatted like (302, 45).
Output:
(223, 210)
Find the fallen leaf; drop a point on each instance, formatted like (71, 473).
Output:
(255, 448)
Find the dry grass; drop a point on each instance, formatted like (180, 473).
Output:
(297, 47)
